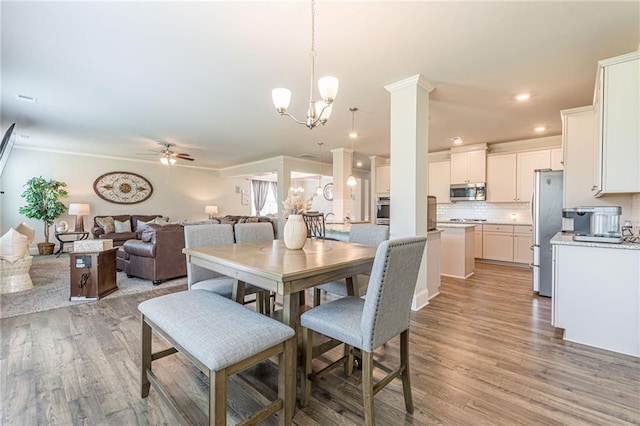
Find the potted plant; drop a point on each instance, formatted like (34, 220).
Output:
(42, 198)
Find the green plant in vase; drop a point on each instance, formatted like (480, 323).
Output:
(42, 198)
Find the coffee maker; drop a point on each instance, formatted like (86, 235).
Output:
(599, 224)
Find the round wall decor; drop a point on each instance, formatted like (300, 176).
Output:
(328, 192)
(123, 187)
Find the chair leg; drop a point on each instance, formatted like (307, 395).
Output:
(316, 297)
(146, 359)
(406, 374)
(307, 358)
(218, 398)
(367, 387)
(348, 362)
(287, 381)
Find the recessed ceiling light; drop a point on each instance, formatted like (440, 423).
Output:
(522, 96)
(540, 129)
(353, 135)
(457, 140)
(359, 164)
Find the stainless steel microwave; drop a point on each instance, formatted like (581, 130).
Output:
(467, 192)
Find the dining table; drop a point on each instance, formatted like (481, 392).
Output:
(272, 266)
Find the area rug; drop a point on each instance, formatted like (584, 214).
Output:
(51, 288)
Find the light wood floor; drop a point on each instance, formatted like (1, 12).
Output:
(483, 352)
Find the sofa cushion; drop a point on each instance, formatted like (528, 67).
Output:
(124, 226)
(107, 223)
(118, 236)
(138, 221)
(13, 246)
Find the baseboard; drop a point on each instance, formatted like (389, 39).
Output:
(420, 300)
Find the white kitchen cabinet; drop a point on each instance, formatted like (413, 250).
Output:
(501, 178)
(596, 305)
(383, 179)
(617, 126)
(497, 242)
(468, 167)
(457, 248)
(477, 238)
(527, 162)
(578, 140)
(523, 244)
(557, 162)
(439, 180)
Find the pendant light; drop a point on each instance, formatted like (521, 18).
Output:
(351, 180)
(318, 112)
(319, 188)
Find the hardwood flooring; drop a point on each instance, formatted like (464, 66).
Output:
(483, 352)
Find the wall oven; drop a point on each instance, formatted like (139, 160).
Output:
(467, 192)
(383, 207)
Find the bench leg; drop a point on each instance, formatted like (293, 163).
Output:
(146, 359)
(218, 398)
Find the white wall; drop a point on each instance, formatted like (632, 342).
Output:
(178, 192)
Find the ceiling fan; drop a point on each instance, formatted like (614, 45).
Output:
(168, 156)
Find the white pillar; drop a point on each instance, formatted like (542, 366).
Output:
(409, 149)
(342, 161)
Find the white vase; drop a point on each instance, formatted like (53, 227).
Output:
(295, 232)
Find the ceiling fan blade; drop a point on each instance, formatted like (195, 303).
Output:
(185, 154)
(184, 158)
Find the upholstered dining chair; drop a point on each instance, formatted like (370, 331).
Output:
(206, 279)
(252, 232)
(371, 235)
(368, 323)
(315, 224)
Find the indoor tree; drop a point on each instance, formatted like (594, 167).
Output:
(42, 197)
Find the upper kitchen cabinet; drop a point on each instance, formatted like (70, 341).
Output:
(439, 180)
(383, 179)
(469, 164)
(510, 176)
(578, 140)
(617, 126)
(557, 159)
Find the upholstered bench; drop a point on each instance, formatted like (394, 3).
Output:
(221, 338)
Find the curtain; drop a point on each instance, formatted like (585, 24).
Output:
(260, 191)
(274, 190)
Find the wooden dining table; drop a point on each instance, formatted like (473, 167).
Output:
(273, 267)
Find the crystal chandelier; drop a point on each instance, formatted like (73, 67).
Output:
(318, 112)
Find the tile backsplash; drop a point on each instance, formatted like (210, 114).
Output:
(493, 212)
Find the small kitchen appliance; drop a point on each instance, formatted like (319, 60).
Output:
(467, 192)
(604, 224)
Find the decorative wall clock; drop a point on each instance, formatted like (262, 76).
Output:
(123, 188)
(328, 192)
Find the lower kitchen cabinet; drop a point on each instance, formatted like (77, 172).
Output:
(477, 238)
(497, 242)
(523, 244)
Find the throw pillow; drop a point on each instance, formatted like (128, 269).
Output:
(106, 223)
(13, 246)
(140, 224)
(25, 229)
(124, 226)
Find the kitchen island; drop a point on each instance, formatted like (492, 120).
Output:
(596, 293)
(457, 249)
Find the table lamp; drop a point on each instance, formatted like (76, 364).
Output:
(79, 210)
(211, 210)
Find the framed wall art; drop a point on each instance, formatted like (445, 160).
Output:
(122, 187)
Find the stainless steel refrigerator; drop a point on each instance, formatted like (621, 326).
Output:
(546, 215)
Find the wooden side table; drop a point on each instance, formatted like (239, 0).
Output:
(75, 236)
(93, 274)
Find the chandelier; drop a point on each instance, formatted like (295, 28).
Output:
(318, 112)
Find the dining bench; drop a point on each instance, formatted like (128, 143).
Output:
(197, 324)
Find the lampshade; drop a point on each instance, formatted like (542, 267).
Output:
(211, 209)
(281, 98)
(79, 209)
(328, 87)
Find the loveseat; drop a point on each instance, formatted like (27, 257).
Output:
(130, 227)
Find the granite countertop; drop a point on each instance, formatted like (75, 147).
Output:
(567, 240)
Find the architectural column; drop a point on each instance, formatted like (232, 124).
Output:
(409, 162)
(342, 162)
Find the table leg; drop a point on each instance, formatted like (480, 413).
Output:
(352, 286)
(238, 291)
(59, 252)
(290, 316)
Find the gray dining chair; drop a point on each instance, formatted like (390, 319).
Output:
(371, 235)
(253, 232)
(206, 279)
(368, 323)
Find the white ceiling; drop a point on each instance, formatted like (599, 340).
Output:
(113, 78)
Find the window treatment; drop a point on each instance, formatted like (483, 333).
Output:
(274, 190)
(260, 192)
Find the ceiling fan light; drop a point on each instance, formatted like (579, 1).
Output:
(328, 87)
(281, 99)
(172, 161)
(351, 180)
(164, 160)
